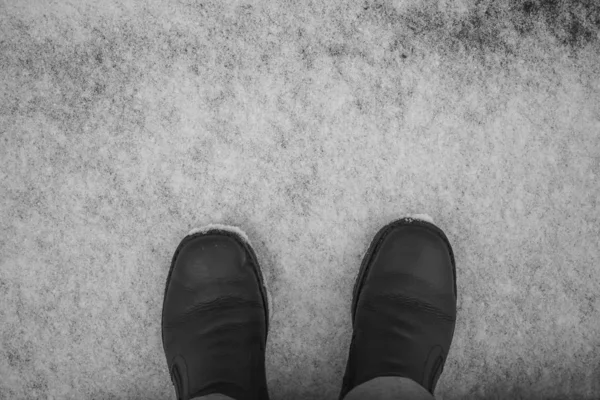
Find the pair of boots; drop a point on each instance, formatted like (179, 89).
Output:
(215, 316)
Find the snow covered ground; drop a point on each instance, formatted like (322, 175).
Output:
(124, 125)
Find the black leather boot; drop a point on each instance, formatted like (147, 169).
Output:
(215, 316)
(403, 307)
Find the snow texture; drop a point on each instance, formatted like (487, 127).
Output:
(305, 127)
